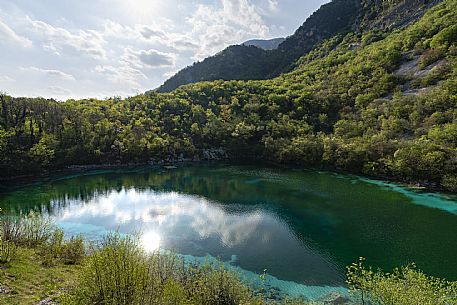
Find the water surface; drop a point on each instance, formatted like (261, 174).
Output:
(303, 227)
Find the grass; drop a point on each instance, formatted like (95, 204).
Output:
(35, 260)
(30, 281)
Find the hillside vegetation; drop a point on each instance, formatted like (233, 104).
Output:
(378, 103)
(336, 17)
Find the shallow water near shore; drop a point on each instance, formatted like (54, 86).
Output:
(302, 227)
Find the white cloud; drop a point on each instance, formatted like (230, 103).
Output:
(54, 73)
(155, 58)
(184, 44)
(148, 58)
(145, 33)
(128, 70)
(51, 47)
(149, 33)
(216, 27)
(89, 42)
(58, 91)
(122, 74)
(7, 34)
(244, 14)
(5, 78)
(273, 5)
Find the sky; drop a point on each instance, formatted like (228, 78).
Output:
(103, 48)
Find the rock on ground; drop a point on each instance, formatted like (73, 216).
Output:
(4, 290)
(47, 301)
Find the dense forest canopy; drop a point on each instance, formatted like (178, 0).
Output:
(380, 103)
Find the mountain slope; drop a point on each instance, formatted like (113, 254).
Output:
(270, 44)
(329, 20)
(336, 17)
(235, 62)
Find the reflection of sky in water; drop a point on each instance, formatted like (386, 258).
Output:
(250, 237)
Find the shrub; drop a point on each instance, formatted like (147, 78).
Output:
(7, 251)
(404, 286)
(445, 37)
(429, 57)
(212, 284)
(449, 182)
(73, 251)
(41, 233)
(120, 272)
(31, 230)
(11, 229)
(117, 273)
(51, 249)
(57, 249)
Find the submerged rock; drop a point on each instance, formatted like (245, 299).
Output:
(335, 298)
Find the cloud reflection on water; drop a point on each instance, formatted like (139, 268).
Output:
(163, 212)
(194, 225)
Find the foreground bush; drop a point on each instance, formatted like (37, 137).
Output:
(120, 272)
(36, 231)
(30, 230)
(57, 249)
(7, 251)
(404, 286)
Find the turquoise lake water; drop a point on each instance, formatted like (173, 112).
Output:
(302, 226)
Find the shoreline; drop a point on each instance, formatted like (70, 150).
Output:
(413, 185)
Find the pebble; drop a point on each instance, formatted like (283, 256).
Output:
(46, 301)
(4, 290)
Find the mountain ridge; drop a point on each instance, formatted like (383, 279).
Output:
(265, 44)
(333, 18)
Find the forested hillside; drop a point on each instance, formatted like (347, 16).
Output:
(336, 17)
(378, 103)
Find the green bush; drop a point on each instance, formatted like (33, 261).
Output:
(57, 249)
(429, 57)
(31, 230)
(445, 37)
(50, 250)
(36, 231)
(117, 273)
(404, 286)
(120, 272)
(73, 251)
(449, 182)
(7, 251)
(11, 229)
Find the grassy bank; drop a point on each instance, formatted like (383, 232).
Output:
(38, 265)
(27, 280)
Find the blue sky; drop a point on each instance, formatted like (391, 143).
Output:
(100, 48)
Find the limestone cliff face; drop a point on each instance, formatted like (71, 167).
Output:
(390, 14)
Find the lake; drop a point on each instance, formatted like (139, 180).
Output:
(301, 227)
